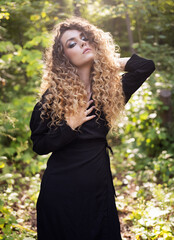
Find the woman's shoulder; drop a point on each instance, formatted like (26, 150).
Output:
(43, 96)
(40, 101)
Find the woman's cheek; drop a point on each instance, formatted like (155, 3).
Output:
(75, 57)
(71, 55)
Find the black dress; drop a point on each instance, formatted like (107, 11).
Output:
(76, 200)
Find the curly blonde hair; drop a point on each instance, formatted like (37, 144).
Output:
(65, 91)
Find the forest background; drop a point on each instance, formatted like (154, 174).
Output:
(143, 161)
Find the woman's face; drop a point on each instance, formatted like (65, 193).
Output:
(77, 48)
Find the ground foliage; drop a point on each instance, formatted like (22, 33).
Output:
(143, 161)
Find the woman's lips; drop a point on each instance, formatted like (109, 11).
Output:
(86, 50)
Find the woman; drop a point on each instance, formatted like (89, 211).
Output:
(82, 97)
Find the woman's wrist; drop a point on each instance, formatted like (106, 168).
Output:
(122, 62)
(73, 127)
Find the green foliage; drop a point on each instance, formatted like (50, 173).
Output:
(18, 197)
(153, 220)
(19, 168)
(148, 139)
(146, 205)
(25, 34)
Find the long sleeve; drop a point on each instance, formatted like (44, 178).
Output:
(46, 140)
(137, 69)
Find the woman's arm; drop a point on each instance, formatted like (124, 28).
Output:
(46, 140)
(138, 70)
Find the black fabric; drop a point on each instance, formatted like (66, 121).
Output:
(138, 70)
(77, 196)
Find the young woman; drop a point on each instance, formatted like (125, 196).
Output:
(82, 99)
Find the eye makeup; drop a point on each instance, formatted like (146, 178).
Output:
(72, 44)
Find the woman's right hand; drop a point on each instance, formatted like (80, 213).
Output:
(122, 62)
(80, 116)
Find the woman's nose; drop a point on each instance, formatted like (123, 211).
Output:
(83, 43)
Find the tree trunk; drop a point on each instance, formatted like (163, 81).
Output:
(128, 25)
(76, 8)
(138, 29)
(166, 115)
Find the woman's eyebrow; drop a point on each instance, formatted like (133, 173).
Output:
(72, 38)
(69, 40)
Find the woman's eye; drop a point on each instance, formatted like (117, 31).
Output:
(71, 45)
(84, 38)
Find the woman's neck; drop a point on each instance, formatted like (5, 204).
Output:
(84, 74)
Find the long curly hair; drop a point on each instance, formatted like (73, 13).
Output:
(65, 90)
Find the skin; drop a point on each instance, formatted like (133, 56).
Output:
(122, 62)
(74, 43)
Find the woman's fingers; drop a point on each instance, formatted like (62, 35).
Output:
(89, 110)
(76, 120)
(89, 103)
(90, 117)
(87, 118)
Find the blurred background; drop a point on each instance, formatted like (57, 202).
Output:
(143, 161)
